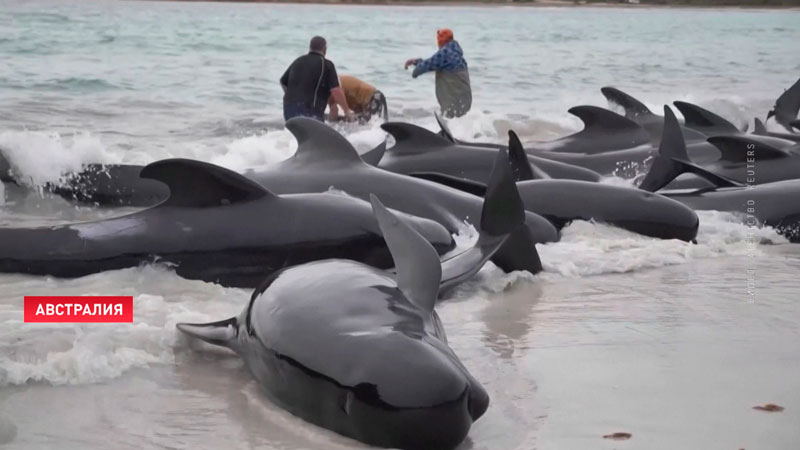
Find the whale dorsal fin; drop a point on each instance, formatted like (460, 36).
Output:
(222, 333)
(634, 109)
(199, 184)
(760, 129)
(374, 156)
(597, 119)
(445, 129)
(700, 118)
(411, 139)
(521, 167)
(735, 149)
(319, 142)
(417, 265)
(673, 159)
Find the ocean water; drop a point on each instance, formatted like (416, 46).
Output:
(671, 342)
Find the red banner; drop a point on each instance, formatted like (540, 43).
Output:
(103, 309)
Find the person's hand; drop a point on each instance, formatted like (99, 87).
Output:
(333, 116)
(350, 116)
(411, 62)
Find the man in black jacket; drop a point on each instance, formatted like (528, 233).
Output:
(309, 82)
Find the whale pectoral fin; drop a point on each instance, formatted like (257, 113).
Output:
(461, 184)
(418, 270)
(374, 156)
(199, 184)
(319, 142)
(673, 159)
(522, 167)
(738, 148)
(795, 124)
(445, 130)
(412, 139)
(634, 109)
(222, 333)
(697, 117)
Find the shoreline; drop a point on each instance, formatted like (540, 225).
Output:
(490, 3)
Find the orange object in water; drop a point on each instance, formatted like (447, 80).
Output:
(443, 36)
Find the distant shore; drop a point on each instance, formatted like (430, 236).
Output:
(710, 4)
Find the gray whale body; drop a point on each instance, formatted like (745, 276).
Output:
(774, 204)
(357, 350)
(216, 226)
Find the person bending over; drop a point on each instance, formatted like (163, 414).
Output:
(363, 98)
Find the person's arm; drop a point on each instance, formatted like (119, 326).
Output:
(334, 114)
(435, 62)
(337, 93)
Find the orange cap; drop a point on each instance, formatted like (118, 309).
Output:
(443, 36)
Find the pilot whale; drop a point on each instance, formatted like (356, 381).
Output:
(761, 130)
(357, 350)
(216, 226)
(325, 159)
(603, 130)
(418, 150)
(774, 204)
(563, 201)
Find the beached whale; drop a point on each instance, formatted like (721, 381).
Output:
(120, 184)
(358, 350)
(761, 130)
(774, 204)
(603, 130)
(641, 114)
(417, 149)
(563, 201)
(216, 226)
(325, 159)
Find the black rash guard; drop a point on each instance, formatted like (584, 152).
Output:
(309, 81)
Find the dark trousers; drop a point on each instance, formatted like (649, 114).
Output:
(300, 109)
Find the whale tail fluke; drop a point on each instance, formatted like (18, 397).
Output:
(504, 238)
(222, 333)
(521, 166)
(673, 159)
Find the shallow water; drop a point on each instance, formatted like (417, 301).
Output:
(621, 333)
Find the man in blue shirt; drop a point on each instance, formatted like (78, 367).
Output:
(453, 90)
